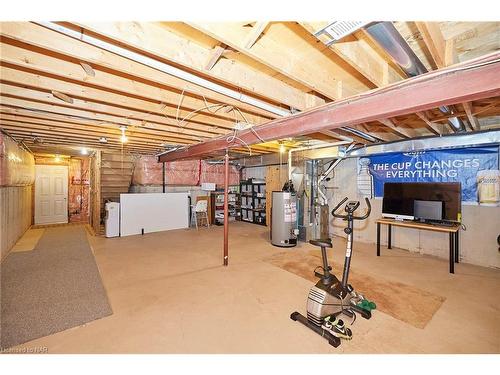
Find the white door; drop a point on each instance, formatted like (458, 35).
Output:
(51, 194)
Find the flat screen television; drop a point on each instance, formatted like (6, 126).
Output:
(429, 201)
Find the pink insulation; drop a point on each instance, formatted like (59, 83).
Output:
(79, 184)
(148, 171)
(183, 172)
(17, 166)
(215, 173)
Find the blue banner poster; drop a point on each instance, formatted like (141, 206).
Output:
(452, 165)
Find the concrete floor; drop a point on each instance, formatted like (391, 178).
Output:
(170, 294)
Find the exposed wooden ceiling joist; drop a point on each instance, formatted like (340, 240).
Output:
(406, 133)
(78, 113)
(357, 52)
(434, 41)
(111, 88)
(122, 116)
(50, 40)
(152, 38)
(470, 116)
(432, 125)
(285, 51)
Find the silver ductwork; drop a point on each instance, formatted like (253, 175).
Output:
(359, 133)
(388, 37)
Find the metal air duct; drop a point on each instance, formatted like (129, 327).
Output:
(388, 37)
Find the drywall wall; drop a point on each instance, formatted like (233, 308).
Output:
(153, 212)
(477, 243)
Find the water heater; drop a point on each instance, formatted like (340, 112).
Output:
(284, 219)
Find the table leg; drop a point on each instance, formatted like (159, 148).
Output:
(389, 236)
(378, 239)
(452, 250)
(457, 255)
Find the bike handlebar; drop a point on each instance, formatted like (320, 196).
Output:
(338, 206)
(367, 213)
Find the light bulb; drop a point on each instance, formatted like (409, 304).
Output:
(123, 138)
(282, 148)
(84, 151)
(57, 158)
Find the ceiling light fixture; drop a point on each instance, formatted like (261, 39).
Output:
(103, 140)
(57, 158)
(282, 148)
(123, 138)
(84, 151)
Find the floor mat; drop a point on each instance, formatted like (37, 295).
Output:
(28, 241)
(52, 288)
(403, 302)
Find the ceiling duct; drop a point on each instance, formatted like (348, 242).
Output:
(388, 37)
(361, 134)
(339, 29)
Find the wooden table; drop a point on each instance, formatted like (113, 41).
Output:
(453, 231)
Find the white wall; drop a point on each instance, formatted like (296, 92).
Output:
(477, 244)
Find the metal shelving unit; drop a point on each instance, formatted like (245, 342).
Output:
(252, 202)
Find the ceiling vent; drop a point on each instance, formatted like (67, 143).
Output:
(340, 29)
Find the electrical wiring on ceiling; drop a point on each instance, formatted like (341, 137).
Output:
(219, 106)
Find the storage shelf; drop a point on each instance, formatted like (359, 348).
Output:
(252, 193)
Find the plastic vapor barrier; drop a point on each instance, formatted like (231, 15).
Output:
(17, 166)
(148, 171)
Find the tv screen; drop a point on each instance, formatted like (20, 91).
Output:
(423, 200)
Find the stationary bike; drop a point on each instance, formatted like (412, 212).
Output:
(331, 297)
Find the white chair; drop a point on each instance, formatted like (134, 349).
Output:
(200, 208)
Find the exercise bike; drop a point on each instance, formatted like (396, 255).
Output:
(331, 297)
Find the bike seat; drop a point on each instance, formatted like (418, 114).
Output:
(323, 242)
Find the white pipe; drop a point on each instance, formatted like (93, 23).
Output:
(328, 171)
(305, 148)
(165, 68)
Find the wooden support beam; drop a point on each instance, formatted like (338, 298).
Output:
(332, 134)
(119, 115)
(160, 39)
(49, 40)
(357, 52)
(36, 69)
(450, 55)
(48, 139)
(386, 137)
(470, 116)
(96, 131)
(434, 40)
(131, 92)
(406, 133)
(472, 80)
(78, 136)
(287, 49)
(255, 33)
(215, 55)
(50, 118)
(431, 125)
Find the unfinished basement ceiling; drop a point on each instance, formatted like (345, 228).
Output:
(58, 91)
